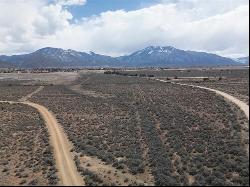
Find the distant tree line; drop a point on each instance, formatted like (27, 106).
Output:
(127, 74)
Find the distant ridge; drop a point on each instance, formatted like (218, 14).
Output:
(6, 65)
(153, 56)
(172, 57)
(243, 60)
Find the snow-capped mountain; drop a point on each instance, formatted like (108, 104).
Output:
(243, 60)
(154, 50)
(58, 58)
(153, 56)
(172, 57)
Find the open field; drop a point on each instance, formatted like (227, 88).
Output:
(198, 72)
(40, 78)
(64, 171)
(231, 81)
(238, 87)
(131, 130)
(13, 91)
(26, 156)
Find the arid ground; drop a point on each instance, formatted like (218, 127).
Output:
(125, 127)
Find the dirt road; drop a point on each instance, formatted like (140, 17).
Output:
(64, 161)
(243, 106)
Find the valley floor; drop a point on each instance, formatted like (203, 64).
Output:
(130, 130)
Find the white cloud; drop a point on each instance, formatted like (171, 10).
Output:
(220, 26)
(25, 22)
(71, 2)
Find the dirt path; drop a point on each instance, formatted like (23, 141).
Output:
(243, 106)
(78, 89)
(64, 161)
(25, 98)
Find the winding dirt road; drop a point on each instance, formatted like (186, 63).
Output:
(61, 147)
(243, 106)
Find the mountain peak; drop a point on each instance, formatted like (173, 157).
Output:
(152, 56)
(49, 51)
(155, 50)
(91, 53)
(159, 48)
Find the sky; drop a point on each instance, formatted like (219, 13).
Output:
(95, 7)
(118, 27)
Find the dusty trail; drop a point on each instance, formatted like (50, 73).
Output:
(25, 98)
(243, 106)
(64, 161)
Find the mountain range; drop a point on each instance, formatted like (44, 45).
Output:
(243, 60)
(153, 56)
(5, 65)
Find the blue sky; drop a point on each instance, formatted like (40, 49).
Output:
(95, 7)
(215, 26)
